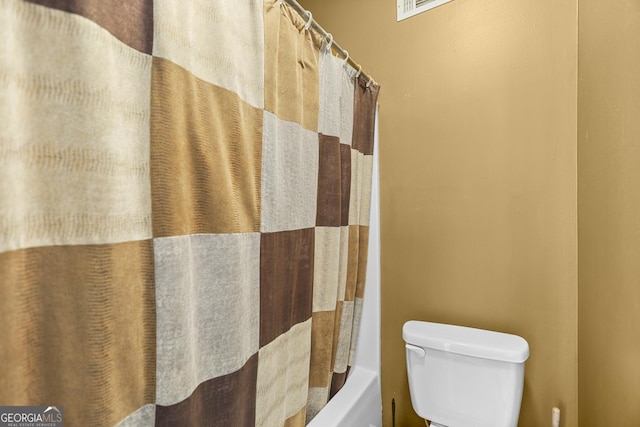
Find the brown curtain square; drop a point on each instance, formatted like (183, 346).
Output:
(225, 401)
(286, 281)
(329, 182)
(206, 151)
(78, 330)
(130, 21)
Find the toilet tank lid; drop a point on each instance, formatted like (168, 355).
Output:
(467, 341)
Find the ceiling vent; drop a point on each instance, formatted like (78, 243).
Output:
(408, 8)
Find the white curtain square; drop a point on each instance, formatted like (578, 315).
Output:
(207, 309)
(326, 268)
(290, 157)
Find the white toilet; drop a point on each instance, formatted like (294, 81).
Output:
(464, 377)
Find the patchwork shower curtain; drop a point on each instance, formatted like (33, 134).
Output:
(184, 204)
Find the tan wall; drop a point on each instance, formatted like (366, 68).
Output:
(609, 212)
(478, 157)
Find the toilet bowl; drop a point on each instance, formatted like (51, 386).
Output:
(464, 377)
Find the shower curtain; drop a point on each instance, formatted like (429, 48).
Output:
(184, 206)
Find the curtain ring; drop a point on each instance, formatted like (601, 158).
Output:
(346, 57)
(369, 82)
(308, 24)
(329, 41)
(359, 71)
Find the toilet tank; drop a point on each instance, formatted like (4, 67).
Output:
(462, 377)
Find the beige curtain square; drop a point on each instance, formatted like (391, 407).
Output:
(201, 37)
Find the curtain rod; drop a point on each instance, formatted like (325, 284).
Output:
(305, 14)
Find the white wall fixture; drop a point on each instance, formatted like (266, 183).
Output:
(409, 8)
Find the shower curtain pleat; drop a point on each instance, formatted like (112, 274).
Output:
(184, 207)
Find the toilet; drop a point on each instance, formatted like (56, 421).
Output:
(464, 377)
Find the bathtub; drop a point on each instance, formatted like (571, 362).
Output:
(359, 402)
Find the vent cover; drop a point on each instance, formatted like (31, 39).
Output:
(408, 8)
